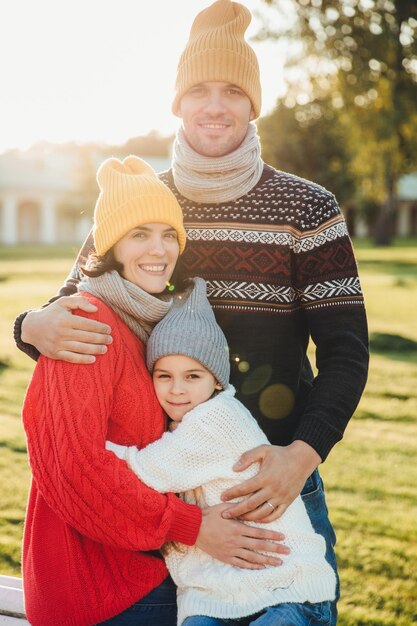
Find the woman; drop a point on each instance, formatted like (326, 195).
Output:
(91, 526)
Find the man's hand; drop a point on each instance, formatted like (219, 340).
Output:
(236, 543)
(59, 334)
(282, 475)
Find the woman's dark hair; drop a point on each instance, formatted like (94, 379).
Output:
(180, 280)
(99, 265)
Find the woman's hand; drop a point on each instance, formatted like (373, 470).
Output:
(60, 335)
(283, 473)
(236, 543)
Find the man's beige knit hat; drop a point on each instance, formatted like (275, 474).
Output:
(131, 194)
(217, 51)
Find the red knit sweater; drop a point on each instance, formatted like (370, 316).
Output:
(90, 521)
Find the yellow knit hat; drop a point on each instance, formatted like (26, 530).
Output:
(217, 51)
(131, 194)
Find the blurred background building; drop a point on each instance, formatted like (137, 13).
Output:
(47, 194)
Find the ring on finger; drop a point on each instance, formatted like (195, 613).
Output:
(270, 504)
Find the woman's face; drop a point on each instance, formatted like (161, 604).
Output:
(148, 254)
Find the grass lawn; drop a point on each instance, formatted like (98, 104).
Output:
(371, 476)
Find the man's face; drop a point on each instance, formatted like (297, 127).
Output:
(215, 117)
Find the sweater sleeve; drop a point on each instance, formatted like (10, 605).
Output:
(330, 293)
(177, 462)
(65, 415)
(67, 289)
(204, 446)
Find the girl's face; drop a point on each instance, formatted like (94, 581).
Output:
(148, 254)
(182, 383)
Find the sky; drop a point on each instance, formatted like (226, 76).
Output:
(100, 70)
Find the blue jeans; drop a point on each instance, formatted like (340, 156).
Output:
(288, 614)
(158, 608)
(315, 503)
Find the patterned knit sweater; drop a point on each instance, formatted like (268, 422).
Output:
(90, 523)
(200, 454)
(280, 270)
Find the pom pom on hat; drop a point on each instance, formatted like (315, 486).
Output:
(190, 329)
(217, 51)
(131, 194)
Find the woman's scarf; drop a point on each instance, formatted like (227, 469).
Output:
(137, 308)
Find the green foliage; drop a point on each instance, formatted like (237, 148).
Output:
(371, 476)
(361, 56)
(308, 141)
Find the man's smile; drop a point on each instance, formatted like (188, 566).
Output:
(213, 125)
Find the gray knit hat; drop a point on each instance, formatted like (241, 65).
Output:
(190, 329)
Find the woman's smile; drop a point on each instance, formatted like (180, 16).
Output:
(148, 254)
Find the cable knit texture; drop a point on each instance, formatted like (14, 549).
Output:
(89, 520)
(200, 452)
(217, 51)
(131, 195)
(190, 329)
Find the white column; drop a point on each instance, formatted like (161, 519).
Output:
(83, 227)
(48, 220)
(8, 234)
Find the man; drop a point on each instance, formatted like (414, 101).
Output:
(276, 255)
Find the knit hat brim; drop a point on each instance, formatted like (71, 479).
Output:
(217, 51)
(210, 66)
(132, 195)
(134, 213)
(190, 329)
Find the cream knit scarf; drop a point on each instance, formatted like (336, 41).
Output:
(137, 308)
(217, 179)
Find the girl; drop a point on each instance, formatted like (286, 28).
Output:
(188, 356)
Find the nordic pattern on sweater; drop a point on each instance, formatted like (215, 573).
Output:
(282, 246)
(280, 270)
(200, 453)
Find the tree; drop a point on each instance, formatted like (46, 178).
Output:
(362, 53)
(308, 141)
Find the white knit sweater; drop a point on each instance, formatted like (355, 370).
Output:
(200, 452)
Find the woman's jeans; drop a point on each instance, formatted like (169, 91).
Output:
(158, 608)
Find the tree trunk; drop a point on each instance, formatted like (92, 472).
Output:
(384, 229)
